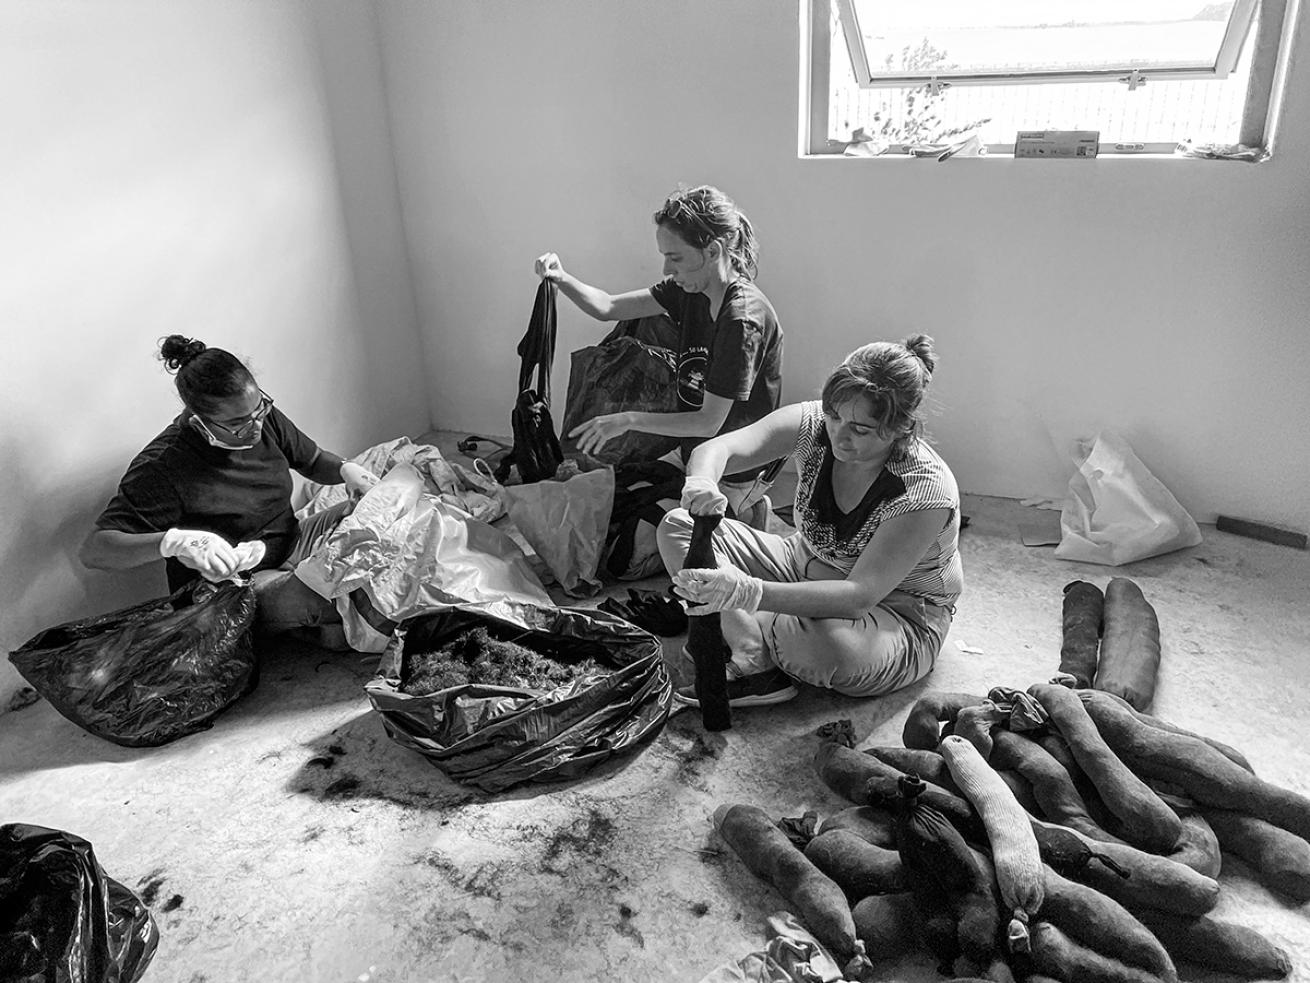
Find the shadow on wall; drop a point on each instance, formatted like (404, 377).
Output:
(48, 515)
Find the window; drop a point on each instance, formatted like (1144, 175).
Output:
(1146, 75)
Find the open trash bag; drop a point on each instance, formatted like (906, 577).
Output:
(493, 737)
(1116, 511)
(151, 673)
(62, 919)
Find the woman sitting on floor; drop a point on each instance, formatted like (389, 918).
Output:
(729, 359)
(212, 492)
(860, 598)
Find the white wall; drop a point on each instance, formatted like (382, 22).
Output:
(1165, 298)
(219, 169)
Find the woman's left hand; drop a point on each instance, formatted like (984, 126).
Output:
(727, 588)
(599, 431)
(356, 478)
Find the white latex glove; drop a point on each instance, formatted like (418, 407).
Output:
(249, 554)
(358, 479)
(701, 496)
(724, 589)
(205, 552)
(548, 267)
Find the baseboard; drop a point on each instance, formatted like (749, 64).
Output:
(1261, 530)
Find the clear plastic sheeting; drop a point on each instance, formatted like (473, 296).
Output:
(792, 955)
(565, 523)
(403, 552)
(476, 493)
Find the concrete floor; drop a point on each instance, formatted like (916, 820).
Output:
(296, 842)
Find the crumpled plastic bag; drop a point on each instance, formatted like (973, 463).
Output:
(403, 552)
(476, 493)
(622, 373)
(62, 919)
(792, 955)
(1116, 511)
(151, 673)
(565, 523)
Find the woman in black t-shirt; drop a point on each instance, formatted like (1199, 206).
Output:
(212, 492)
(730, 348)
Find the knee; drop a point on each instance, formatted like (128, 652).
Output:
(673, 536)
(836, 654)
(284, 602)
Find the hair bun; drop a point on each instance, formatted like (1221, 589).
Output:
(920, 346)
(176, 350)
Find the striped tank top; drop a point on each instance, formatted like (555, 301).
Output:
(914, 480)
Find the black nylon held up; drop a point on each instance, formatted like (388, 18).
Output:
(536, 451)
(705, 634)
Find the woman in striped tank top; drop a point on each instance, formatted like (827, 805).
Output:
(859, 599)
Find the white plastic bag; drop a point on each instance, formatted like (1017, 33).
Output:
(1116, 511)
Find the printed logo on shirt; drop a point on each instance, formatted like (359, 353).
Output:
(691, 376)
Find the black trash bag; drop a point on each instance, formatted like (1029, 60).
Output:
(149, 674)
(628, 370)
(493, 737)
(62, 920)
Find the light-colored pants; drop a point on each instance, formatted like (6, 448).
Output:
(283, 601)
(892, 646)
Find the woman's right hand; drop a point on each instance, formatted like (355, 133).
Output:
(548, 267)
(701, 496)
(205, 552)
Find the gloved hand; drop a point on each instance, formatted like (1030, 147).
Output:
(358, 479)
(548, 267)
(726, 588)
(701, 496)
(205, 552)
(249, 554)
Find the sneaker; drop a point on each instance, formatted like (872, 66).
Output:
(757, 689)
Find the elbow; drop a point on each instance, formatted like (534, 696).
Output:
(862, 601)
(89, 555)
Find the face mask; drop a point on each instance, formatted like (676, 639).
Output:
(213, 441)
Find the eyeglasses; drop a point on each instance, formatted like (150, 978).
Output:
(245, 430)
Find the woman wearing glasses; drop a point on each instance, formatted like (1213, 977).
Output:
(730, 346)
(212, 493)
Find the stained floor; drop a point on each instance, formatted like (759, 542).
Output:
(294, 841)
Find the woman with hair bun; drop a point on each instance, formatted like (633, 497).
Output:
(729, 370)
(212, 492)
(860, 598)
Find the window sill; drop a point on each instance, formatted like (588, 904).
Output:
(910, 158)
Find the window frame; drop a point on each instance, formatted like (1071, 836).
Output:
(1268, 68)
(1235, 31)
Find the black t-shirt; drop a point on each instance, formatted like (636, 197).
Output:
(180, 481)
(737, 355)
